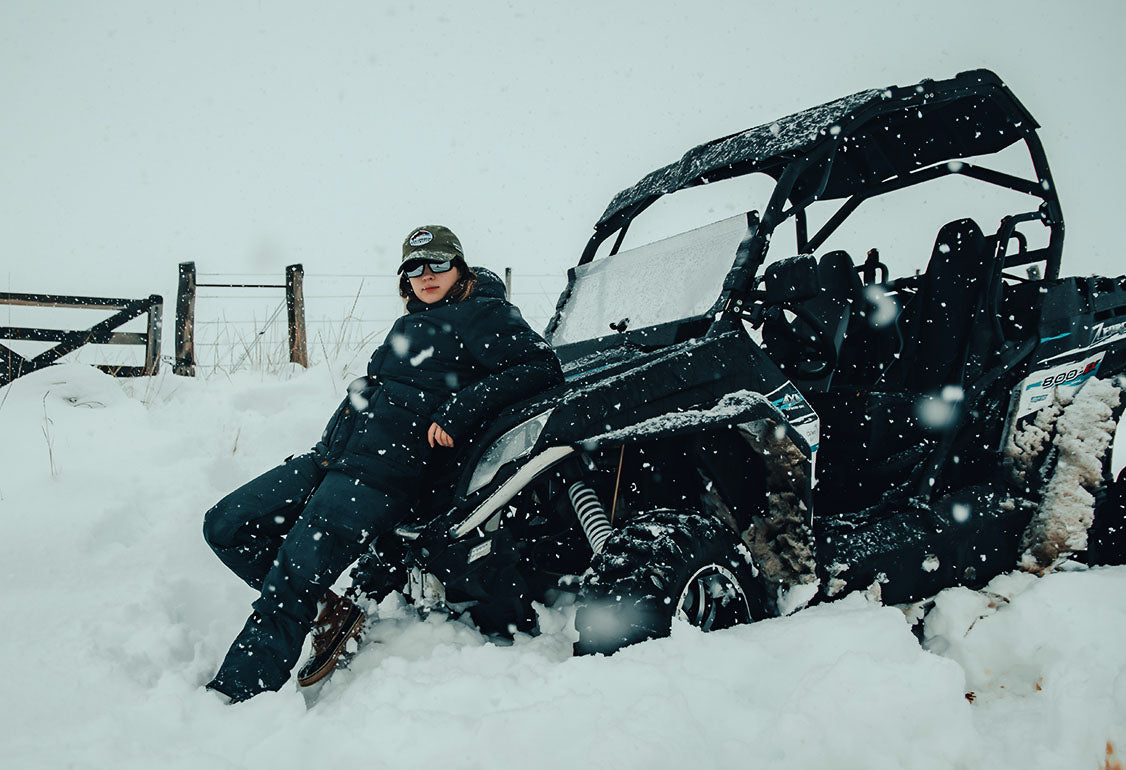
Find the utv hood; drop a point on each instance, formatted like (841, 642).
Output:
(677, 388)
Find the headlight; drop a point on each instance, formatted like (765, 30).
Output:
(516, 443)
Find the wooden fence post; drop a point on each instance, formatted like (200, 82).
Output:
(152, 339)
(295, 304)
(185, 321)
(508, 283)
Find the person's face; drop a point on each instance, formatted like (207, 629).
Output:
(430, 287)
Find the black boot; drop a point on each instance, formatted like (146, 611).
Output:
(339, 620)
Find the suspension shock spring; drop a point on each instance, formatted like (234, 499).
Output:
(592, 516)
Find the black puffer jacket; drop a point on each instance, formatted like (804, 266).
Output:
(453, 363)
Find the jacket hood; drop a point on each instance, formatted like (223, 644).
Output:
(488, 285)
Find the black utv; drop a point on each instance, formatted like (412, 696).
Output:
(751, 423)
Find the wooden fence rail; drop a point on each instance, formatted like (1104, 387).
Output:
(13, 365)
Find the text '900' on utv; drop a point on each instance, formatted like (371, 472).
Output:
(754, 419)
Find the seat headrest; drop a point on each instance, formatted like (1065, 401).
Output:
(838, 273)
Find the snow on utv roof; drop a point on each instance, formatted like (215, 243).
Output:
(871, 142)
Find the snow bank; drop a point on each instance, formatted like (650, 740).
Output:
(1045, 661)
(118, 613)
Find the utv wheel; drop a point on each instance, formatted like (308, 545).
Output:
(660, 566)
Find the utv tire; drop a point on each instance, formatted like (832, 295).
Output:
(1106, 539)
(663, 565)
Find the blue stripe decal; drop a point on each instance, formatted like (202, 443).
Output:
(1057, 337)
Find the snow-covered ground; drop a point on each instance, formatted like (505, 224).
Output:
(116, 613)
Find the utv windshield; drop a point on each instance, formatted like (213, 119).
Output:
(670, 280)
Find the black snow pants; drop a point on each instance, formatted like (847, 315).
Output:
(290, 533)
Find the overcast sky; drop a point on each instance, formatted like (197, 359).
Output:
(249, 135)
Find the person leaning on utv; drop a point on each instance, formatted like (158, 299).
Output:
(460, 353)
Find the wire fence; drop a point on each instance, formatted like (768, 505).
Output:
(346, 317)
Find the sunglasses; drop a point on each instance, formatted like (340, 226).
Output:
(435, 267)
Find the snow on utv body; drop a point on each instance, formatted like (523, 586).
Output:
(733, 442)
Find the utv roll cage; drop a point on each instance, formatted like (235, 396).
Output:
(852, 149)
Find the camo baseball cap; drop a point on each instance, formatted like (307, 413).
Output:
(431, 243)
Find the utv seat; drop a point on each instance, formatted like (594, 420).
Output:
(938, 323)
(788, 340)
(872, 339)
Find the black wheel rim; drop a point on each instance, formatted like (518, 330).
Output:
(713, 598)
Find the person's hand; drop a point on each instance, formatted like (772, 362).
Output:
(438, 436)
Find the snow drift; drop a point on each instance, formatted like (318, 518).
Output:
(117, 613)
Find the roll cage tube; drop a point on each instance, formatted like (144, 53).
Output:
(1049, 213)
(752, 251)
(601, 234)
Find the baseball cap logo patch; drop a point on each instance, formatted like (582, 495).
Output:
(420, 238)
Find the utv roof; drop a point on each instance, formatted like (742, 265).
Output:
(876, 134)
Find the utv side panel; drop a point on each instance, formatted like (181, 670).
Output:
(964, 539)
